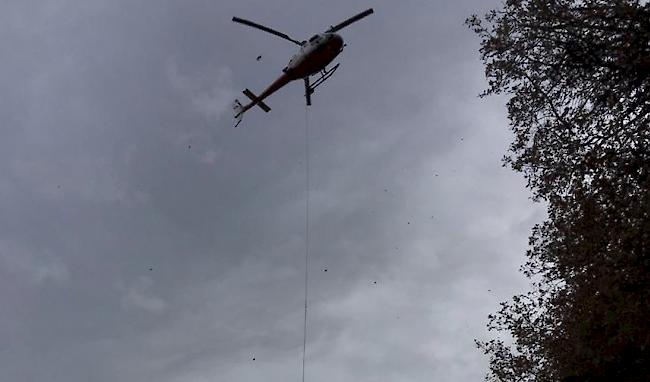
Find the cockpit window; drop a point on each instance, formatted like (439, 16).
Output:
(314, 38)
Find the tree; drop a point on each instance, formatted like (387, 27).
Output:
(578, 76)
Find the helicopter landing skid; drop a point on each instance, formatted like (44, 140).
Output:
(324, 76)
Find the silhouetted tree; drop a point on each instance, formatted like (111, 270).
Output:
(578, 76)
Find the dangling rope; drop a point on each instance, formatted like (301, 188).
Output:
(304, 334)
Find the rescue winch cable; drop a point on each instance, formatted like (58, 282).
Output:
(307, 180)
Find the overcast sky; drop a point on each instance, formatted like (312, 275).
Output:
(142, 238)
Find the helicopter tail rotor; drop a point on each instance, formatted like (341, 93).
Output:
(239, 110)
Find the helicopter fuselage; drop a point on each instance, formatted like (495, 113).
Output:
(314, 56)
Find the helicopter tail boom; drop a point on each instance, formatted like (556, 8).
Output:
(240, 109)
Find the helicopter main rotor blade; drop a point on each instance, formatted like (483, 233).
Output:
(265, 29)
(349, 21)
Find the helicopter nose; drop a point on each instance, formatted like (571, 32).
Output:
(337, 42)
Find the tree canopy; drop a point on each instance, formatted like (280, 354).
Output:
(578, 76)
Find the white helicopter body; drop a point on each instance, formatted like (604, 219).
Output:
(312, 58)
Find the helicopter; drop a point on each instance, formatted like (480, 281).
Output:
(312, 58)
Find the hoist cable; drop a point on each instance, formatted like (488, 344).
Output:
(304, 334)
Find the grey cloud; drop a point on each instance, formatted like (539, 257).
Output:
(143, 238)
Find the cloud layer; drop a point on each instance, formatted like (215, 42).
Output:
(142, 238)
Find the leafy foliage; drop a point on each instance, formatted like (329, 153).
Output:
(578, 73)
